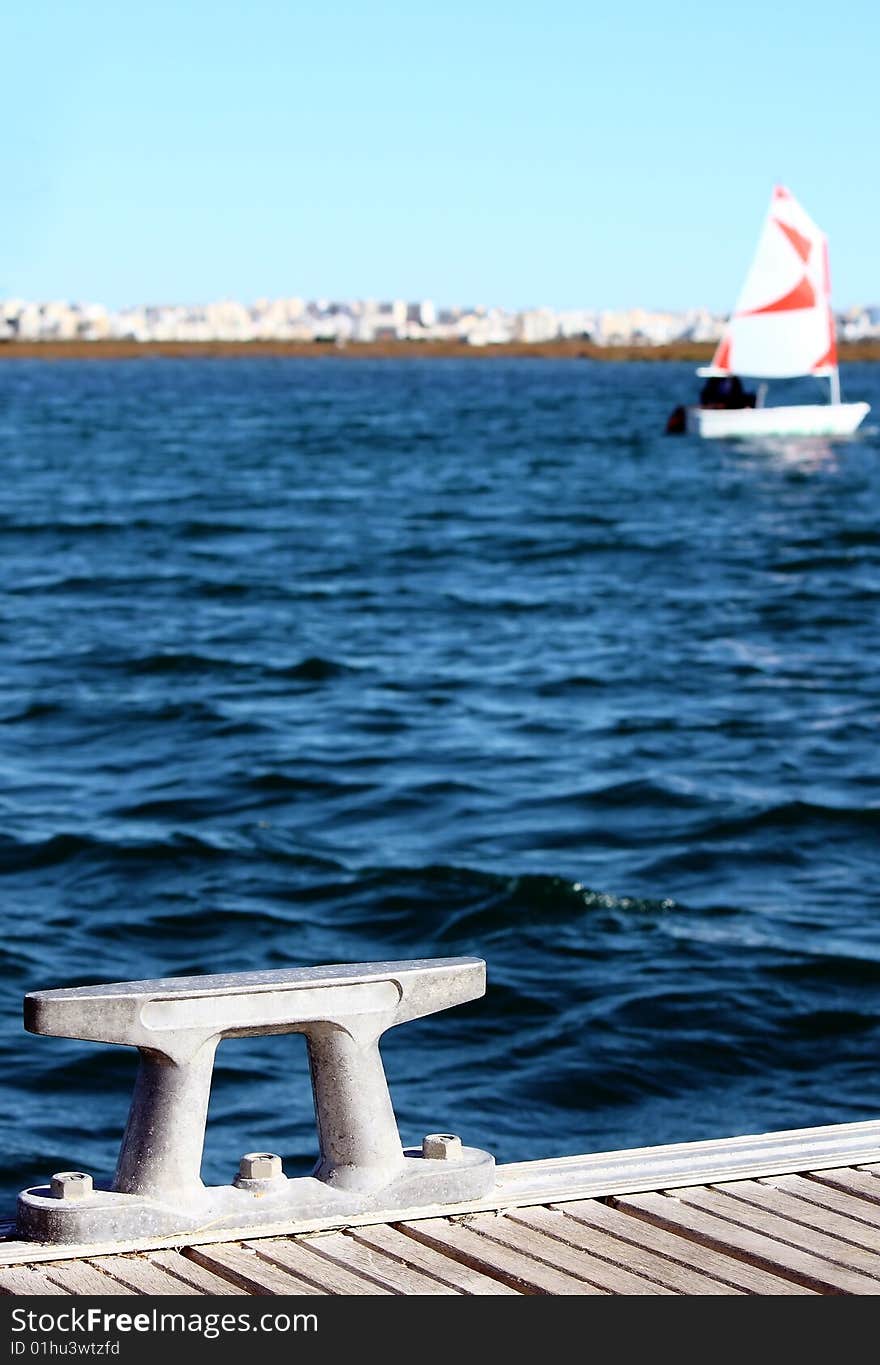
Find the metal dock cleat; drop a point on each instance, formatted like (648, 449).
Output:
(177, 1022)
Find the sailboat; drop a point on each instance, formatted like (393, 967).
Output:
(782, 327)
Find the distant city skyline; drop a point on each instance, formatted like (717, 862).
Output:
(344, 321)
(478, 154)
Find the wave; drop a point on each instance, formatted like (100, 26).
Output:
(315, 668)
(35, 710)
(789, 815)
(175, 661)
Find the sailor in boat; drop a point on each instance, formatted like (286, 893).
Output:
(725, 391)
(721, 392)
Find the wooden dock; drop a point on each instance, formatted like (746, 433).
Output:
(810, 1232)
(789, 1212)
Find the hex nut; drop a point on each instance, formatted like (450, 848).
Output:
(441, 1147)
(71, 1185)
(259, 1166)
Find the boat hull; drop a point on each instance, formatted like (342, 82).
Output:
(804, 419)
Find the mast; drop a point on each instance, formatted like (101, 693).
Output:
(831, 357)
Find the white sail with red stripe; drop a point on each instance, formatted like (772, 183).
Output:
(782, 324)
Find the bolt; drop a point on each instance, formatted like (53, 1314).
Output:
(441, 1147)
(259, 1166)
(71, 1185)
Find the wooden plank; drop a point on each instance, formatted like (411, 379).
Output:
(246, 1269)
(444, 1269)
(78, 1277)
(778, 1215)
(647, 1264)
(141, 1275)
(24, 1279)
(307, 1264)
(375, 1266)
(851, 1206)
(862, 1183)
(680, 1250)
(758, 1248)
(515, 1268)
(178, 1265)
(546, 1247)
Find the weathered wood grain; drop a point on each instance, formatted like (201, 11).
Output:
(704, 1226)
(205, 1281)
(406, 1251)
(780, 1216)
(851, 1206)
(492, 1258)
(141, 1275)
(309, 1264)
(652, 1268)
(859, 1182)
(540, 1245)
(78, 1277)
(24, 1279)
(677, 1248)
(248, 1270)
(832, 1212)
(374, 1265)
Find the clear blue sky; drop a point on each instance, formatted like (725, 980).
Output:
(567, 153)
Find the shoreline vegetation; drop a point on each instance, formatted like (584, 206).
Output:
(575, 349)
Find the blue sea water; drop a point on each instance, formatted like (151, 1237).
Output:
(308, 661)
